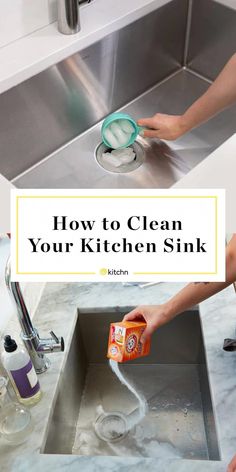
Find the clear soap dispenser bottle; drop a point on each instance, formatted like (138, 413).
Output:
(21, 372)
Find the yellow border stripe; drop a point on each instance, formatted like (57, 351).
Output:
(116, 196)
(17, 212)
(174, 273)
(57, 273)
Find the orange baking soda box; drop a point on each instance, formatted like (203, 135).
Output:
(124, 341)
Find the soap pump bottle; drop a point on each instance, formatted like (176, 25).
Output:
(21, 372)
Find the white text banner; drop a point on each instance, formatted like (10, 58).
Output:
(118, 235)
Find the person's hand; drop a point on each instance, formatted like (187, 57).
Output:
(154, 315)
(162, 126)
(232, 465)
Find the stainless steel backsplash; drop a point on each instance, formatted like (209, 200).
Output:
(212, 38)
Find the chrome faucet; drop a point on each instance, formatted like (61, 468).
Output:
(68, 16)
(36, 346)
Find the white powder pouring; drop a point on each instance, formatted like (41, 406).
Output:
(139, 413)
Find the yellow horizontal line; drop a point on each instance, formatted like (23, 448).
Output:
(174, 273)
(116, 196)
(56, 273)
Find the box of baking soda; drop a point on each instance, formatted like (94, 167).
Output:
(124, 341)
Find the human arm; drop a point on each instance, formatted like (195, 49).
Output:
(220, 95)
(157, 315)
(232, 465)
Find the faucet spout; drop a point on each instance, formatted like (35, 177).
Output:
(68, 16)
(36, 346)
(16, 295)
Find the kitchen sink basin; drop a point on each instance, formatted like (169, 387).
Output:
(161, 62)
(173, 379)
(75, 165)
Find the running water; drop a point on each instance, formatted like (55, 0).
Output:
(139, 413)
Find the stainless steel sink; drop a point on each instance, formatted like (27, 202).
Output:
(51, 123)
(173, 378)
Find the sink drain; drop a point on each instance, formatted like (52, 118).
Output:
(125, 168)
(111, 427)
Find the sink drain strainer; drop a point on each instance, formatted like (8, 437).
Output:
(125, 168)
(111, 427)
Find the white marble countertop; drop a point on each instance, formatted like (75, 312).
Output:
(58, 310)
(31, 54)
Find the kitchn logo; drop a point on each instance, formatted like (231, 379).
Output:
(105, 271)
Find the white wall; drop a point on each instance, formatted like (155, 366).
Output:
(21, 17)
(52, 8)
